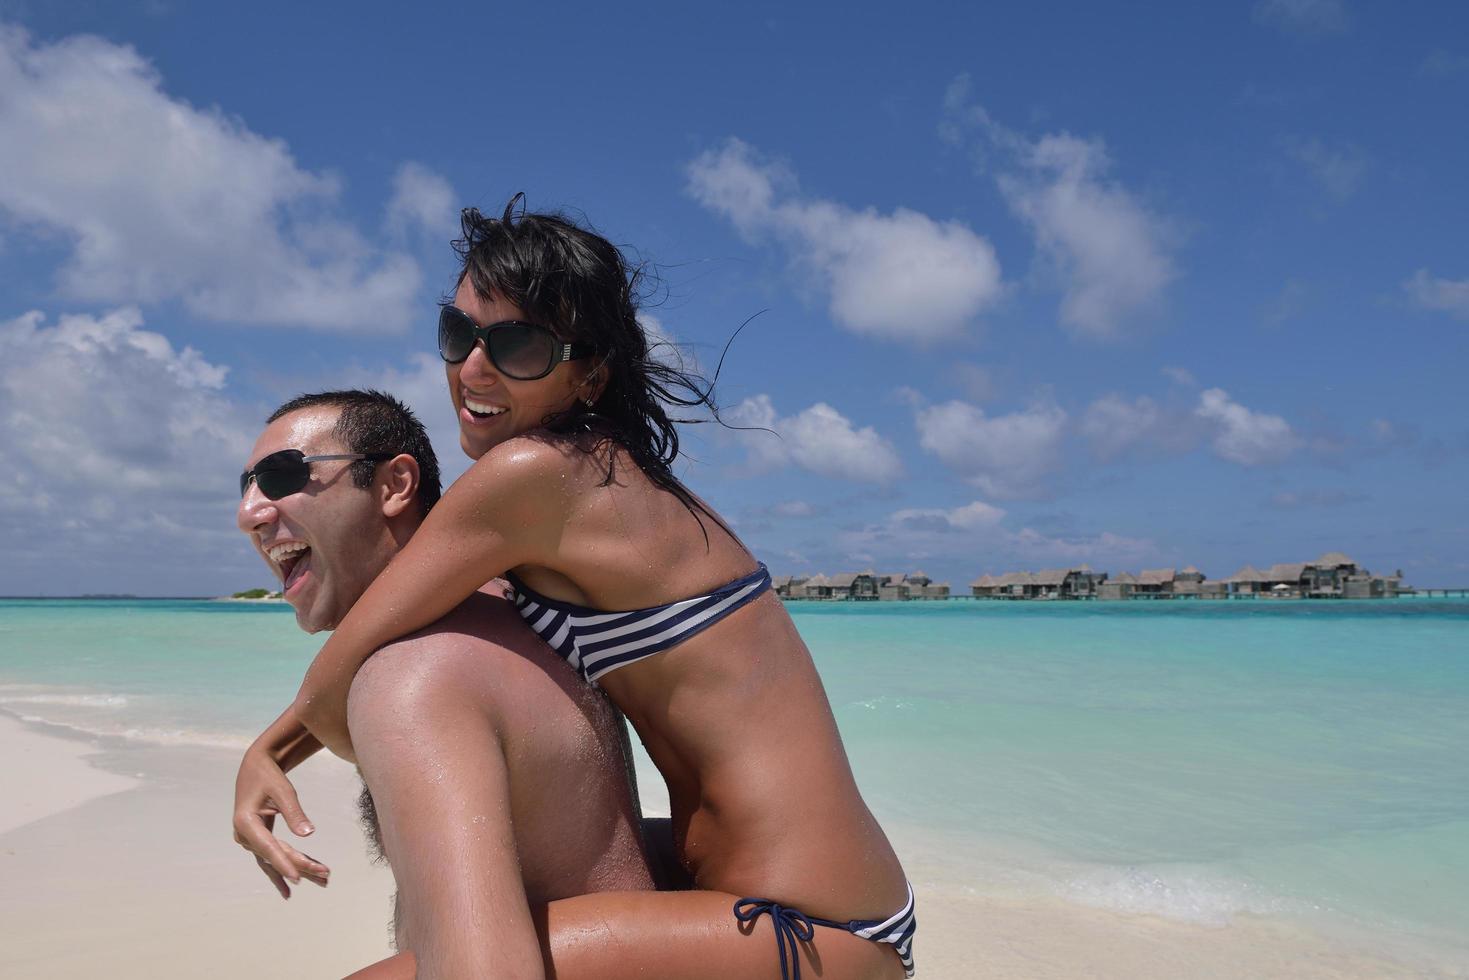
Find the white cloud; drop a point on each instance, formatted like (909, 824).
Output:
(1006, 456)
(970, 517)
(1243, 436)
(1442, 64)
(977, 381)
(1446, 295)
(665, 347)
(122, 455)
(975, 535)
(160, 200)
(424, 200)
(1293, 300)
(1339, 169)
(819, 439)
(1180, 376)
(895, 276)
(1115, 427)
(1107, 246)
(1303, 16)
(1100, 550)
(1111, 252)
(1314, 499)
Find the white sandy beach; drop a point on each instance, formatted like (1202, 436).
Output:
(117, 861)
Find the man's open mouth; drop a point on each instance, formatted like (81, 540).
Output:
(292, 559)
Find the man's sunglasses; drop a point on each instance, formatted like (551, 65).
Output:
(523, 351)
(288, 471)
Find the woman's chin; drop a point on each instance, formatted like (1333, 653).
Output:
(474, 444)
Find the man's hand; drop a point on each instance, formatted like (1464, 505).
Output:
(262, 792)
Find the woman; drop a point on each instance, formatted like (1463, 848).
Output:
(573, 501)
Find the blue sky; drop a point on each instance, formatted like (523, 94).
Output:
(1137, 286)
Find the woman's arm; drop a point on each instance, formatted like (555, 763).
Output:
(262, 792)
(506, 510)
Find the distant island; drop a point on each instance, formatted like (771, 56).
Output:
(253, 595)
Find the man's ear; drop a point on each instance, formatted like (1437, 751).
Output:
(399, 477)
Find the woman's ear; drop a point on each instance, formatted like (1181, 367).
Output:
(399, 477)
(595, 383)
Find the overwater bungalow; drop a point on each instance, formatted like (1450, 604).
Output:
(817, 586)
(1246, 581)
(920, 586)
(1285, 580)
(984, 586)
(1189, 583)
(931, 590)
(864, 586)
(841, 585)
(1082, 582)
(1326, 577)
(1049, 583)
(1154, 583)
(1120, 586)
(1016, 585)
(890, 588)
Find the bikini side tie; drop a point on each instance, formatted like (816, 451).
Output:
(792, 926)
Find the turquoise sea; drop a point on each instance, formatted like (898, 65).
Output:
(1198, 761)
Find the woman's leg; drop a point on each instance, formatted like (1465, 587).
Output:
(693, 935)
(675, 936)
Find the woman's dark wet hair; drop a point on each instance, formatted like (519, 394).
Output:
(579, 284)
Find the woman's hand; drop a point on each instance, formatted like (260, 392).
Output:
(262, 792)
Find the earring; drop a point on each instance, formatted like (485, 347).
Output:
(588, 402)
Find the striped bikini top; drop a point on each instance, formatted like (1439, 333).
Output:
(595, 642)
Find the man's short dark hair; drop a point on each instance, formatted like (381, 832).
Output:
(375, 422)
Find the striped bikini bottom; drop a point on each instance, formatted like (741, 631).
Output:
(793, 927)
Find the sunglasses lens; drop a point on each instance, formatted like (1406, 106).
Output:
(281, 474)
(456, 335)
(522, 351)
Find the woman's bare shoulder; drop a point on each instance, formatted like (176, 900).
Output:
(536, 453)
(566, 462)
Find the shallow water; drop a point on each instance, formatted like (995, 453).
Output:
(1188, 759)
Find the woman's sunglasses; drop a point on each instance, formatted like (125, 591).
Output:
(523, 351)
(288, 471)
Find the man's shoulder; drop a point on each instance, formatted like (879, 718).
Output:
(486, 619)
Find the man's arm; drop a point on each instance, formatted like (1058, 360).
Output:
(426, 739)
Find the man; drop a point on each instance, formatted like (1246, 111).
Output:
(496, 773)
